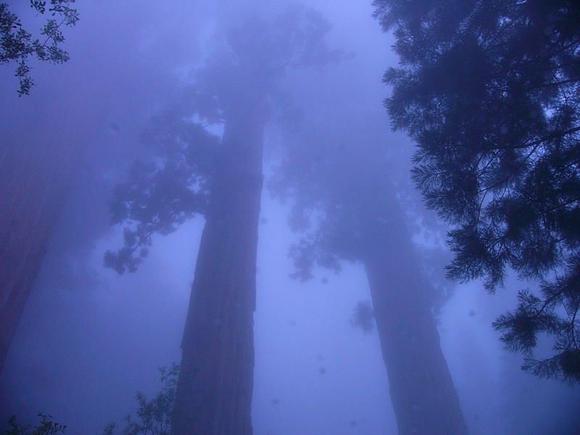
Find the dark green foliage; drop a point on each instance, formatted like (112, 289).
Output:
(164, 192)
(154, 415)
(46, 426)
(19, 45)
(490, 92)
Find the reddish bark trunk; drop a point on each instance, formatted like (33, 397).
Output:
(214, 393)
(421, 388)
(31, 194)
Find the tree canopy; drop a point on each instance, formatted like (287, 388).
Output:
(489, 91)
(176, 182)
(18, 44)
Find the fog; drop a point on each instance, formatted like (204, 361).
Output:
(204, 97)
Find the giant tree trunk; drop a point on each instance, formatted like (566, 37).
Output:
(214, 392)
(422, 391)
(39, 160)
(31, 196)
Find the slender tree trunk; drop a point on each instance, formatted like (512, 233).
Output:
(421, 388)
(214, 392)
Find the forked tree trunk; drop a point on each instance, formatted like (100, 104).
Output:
(421, 388)
(214, 392)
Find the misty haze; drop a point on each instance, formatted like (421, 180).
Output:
(289, 217)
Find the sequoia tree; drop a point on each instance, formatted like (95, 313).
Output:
(490, 92)
(31, 195)
(221, 178)
(345, 209)
(30, 190)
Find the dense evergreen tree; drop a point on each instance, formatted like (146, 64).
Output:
(18, 45)
(490, 92)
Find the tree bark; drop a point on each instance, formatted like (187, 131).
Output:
(31, 197)
(214, 392)
(421, 388)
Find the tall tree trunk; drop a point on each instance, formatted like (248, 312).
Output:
(39, 160)
(214, 392)
(31, 197)
(421, 388)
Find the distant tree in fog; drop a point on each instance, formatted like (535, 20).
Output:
(345, 209)
(490, 92)
(18, 45)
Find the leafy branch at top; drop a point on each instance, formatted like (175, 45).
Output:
(18, 45)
